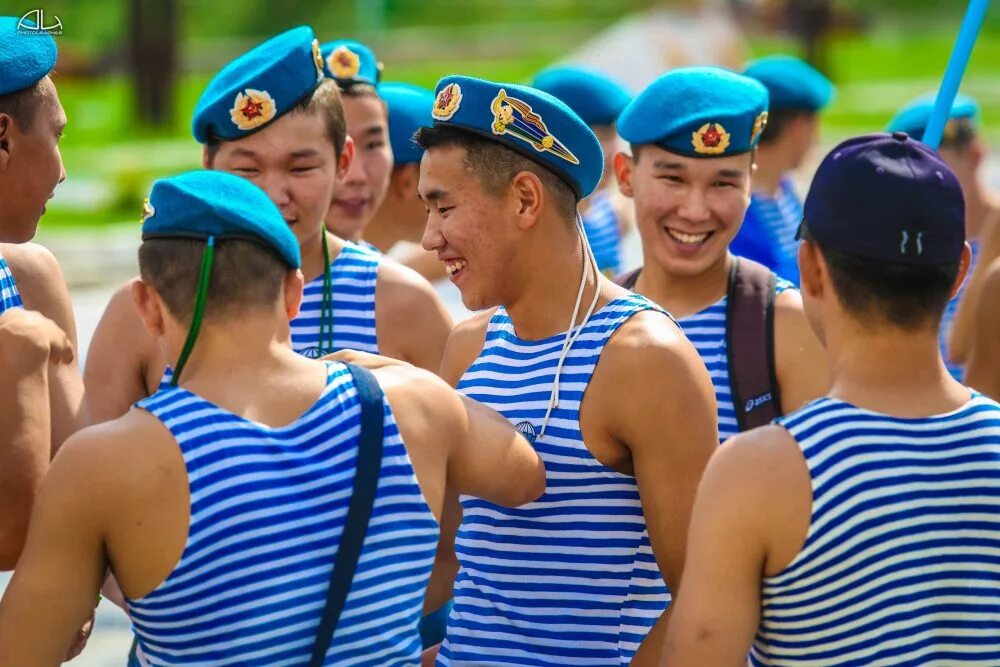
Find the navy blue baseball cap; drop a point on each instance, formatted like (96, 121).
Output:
(887, 197)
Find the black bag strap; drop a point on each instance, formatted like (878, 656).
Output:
(627, 280)
(750, 344)
(359, 510)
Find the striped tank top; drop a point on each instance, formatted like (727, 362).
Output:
(569, 579)
(267, 511)
(901, 564)
(948, 318)
(768, 232)
(706, 330)
(9, 296)
(604, 233)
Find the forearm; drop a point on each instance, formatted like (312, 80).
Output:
(651, 651)
(66, 404)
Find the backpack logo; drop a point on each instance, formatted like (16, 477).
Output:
(755, 403)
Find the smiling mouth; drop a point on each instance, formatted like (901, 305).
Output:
(453, 266)
(352, 206)
(688, 239)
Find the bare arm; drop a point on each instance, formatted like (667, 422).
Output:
(983, 371)
(670, 430)
(750, 519)
(412, 321)
(800, 360)
(960, 338)
(425, 263)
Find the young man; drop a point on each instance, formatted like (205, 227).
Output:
(574, 578)
(270, 117)
(965, 152)
(223, 534)
(40, 386)
(865, 527)
(357, 73)
(798, 93)
(598, 100)
(692, 133)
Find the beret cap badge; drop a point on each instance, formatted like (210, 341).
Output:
(447, 102)
(252, 109)
(344, 63)
(317, 59)
(147, 210)
(710, 139)
(516, 118)
(759, 123)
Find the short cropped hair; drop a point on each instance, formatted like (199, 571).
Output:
(324, 101)
(495, 165)
(22, 105)
(778, 121)
(245, 275)
(877, 293)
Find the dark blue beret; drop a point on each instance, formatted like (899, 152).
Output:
(409, 109)
(349, 63)
(203, 204)
(595, 98)
(260, 86)
(26, 56)
(529, 121)
(699, 112)
(792, 83)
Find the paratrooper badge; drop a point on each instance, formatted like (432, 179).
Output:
(147, 211)
(516, 118)
(318, 59)
(759, 123)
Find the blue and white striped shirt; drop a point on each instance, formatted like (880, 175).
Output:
(901, 564)
(767, 235)
(603, 230)
(706, 329)
(9, 296)
(569, 579)
(267, 511)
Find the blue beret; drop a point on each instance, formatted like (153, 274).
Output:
(25, 58)
(529, 121)
(258, 87)
(699, 112)
(595, 98)
(792, 83)
(200, 204)
(349, 63)
(409, 109)
(913, 117)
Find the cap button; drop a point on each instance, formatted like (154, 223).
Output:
(900, 136)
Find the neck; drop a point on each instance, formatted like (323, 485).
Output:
(980, 203)
(684, 295)
(385, 229)
(771, 167)
(543, 303)
(313, 261)
(890, 371)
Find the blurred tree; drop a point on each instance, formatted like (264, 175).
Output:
(153, 58)
(810, 21)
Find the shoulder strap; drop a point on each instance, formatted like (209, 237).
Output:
(359, 510)
(750, 344)
(627, 280)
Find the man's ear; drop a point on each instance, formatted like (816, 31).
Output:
(150, 307)
(292, 293)
(346, 159)
(813, 272)
(624, 165)
(206, 161)
(6, 140)
(529, 198)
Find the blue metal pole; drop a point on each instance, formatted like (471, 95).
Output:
(967, 34)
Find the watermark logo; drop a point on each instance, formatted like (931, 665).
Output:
(36, 22)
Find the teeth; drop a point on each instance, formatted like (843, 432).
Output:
(687, 238)
(454, 266)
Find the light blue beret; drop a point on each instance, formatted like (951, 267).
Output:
(913, 117)
(527, 120)
(349, 63)
(203, 204)
(26, 57)
(699, 112)
(259, 87)
(409, 109)
(595, 98)
(792, 83)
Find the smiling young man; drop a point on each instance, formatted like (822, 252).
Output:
(693, 133)
(574, 578)
(271, 117)
(363, 188)
(863, 529)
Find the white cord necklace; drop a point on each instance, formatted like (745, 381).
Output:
(571, 336)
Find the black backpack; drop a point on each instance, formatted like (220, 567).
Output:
(749, 341)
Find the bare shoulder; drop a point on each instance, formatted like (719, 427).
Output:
(400, 285)
(648, 336)
(464, 345)
(405, 384)
(30, 261)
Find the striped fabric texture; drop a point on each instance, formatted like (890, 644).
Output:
(267, 511)
(768, 232)
(706, 329)
(604, 233)
(901, 565)
(9, 296)
(569, 579)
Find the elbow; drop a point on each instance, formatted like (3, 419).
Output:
(532, 485)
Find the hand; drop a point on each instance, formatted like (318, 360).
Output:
(363, 359)
(81, 639)
(29, 339)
